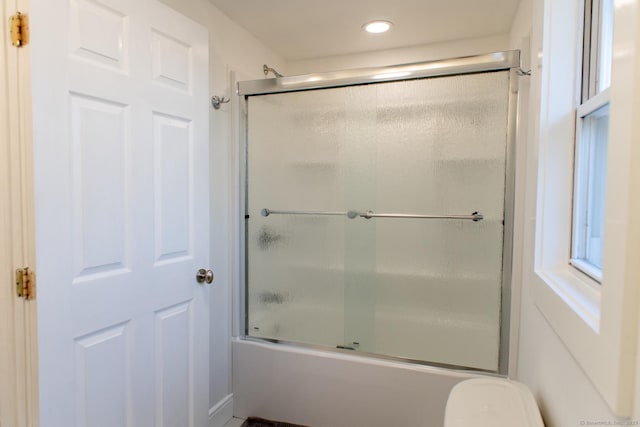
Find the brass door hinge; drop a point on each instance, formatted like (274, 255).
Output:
(19, 29)
(25, 283)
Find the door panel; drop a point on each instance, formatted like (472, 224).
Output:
(121, 151)
(174, 356)
(103, 373)
(99, 145)
(173, 147)
(171, 62)
(99, 32)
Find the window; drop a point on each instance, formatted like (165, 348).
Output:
(595, 323)
(592, 140)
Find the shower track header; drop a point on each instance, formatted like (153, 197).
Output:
(496, 61)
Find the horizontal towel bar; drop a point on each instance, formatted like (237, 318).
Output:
(369, 214)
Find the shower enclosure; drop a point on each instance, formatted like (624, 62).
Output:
(378, 210)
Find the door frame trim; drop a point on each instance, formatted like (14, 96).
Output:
(22, 392)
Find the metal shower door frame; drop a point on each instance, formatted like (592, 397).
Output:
(496, 61)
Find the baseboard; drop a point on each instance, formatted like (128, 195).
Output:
(222, 412)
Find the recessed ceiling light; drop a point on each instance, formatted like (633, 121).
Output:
(377, 26)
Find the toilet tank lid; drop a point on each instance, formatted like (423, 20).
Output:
(491, 402)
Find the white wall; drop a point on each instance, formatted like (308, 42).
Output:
(231, 49)
(404, 55)
(564, 392)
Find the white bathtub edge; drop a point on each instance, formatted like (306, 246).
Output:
(327, 389)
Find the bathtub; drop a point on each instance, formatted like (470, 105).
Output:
(328, 389)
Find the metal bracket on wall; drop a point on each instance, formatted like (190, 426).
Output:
(216, 101)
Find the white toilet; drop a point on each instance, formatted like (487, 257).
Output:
(491, 402)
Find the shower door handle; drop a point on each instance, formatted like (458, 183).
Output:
(203, 276)
(475, 216)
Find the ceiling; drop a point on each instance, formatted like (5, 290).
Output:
(301, 29)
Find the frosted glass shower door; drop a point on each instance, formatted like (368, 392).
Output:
(295, 268)
(421, 289)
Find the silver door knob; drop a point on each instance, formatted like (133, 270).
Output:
(204, 276)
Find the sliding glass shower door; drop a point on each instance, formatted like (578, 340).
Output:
(376, 217)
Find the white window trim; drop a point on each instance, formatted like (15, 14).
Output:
(598, 324)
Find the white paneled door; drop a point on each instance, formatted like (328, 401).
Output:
(120, 92)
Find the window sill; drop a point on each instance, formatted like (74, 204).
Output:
(578, 293)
